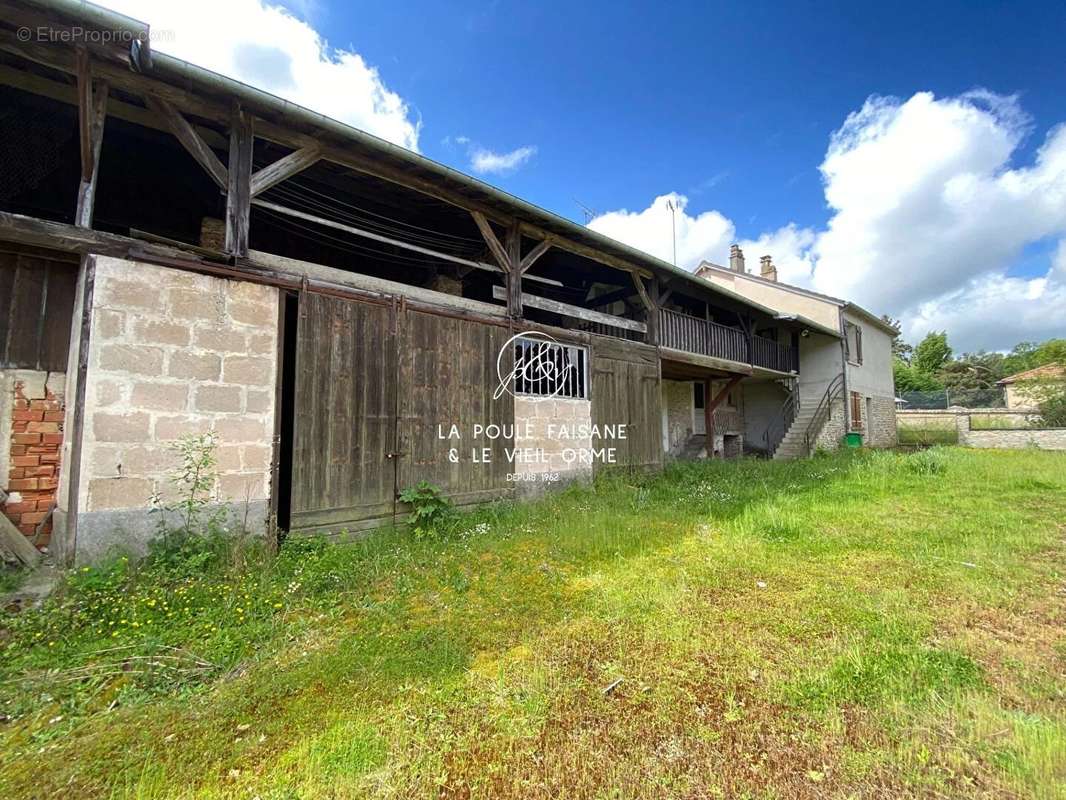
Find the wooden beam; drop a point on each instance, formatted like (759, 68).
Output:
(514, 273)
(238, 196)
(377, 237)
(92, 114)
(533, 255)
(284, 168)
(190, 140)
(85, 107)
(489, 235)
(638, 282)
(650, 308)
(567, 310)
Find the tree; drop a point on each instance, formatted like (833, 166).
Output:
(932, 353)
(900, 349)
(1053, 351)
(971, 379)
(909, 379)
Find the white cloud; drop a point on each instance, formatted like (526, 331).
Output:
(704, 236)
(484, 161)
(928, 214)
(266, 46)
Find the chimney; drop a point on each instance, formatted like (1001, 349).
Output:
(767, 269)
(736, 259)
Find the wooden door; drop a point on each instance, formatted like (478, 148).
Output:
(344, 415)
(448, 377)
(626, 389)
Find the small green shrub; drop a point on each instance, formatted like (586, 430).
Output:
(431, 511)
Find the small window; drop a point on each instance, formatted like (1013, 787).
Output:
(856, 412)
(698, 399)
(550, 369)
(853, 342)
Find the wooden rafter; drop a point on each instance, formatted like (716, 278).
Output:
(284, 168)
(489, 235)
(533, 255)
(190, 140)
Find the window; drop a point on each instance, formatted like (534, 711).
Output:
(698, 400)
(550, 369)
(853, 342)
(856, 412)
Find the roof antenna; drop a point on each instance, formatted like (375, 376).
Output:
(590, 213)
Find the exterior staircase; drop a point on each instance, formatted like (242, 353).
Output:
(793, 444)
(811, 416)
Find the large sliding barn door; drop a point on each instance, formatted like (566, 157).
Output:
(448, 376)
(625, 389)
(345, 415)
(373, 384)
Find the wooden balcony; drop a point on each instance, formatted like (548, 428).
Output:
(702, 337)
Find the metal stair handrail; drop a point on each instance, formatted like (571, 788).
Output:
(823, 410)
(777, 429)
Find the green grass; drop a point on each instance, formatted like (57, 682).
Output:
(874, 624)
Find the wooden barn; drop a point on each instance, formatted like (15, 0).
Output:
(183, 253)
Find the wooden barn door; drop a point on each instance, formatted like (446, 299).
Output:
(373, 383)
(447, 377)
(625, 389)
(344, 432)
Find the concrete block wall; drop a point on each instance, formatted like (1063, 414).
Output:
(539, 414)
(173, 353)
(31, 440)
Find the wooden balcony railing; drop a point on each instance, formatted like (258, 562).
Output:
(694, 335)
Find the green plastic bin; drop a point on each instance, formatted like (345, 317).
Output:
(853, 439)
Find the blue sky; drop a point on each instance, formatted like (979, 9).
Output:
(730, 103)
(910, 157)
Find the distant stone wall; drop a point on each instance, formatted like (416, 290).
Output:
(1046, 439)
(173, 353)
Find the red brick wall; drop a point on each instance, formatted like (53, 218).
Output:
(36, 442)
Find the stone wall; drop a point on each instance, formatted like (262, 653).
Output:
(677, 404)
(173, 353)
(31, 440)
(881, 425)
(1046, 439)
(543, 449)
(833, 429)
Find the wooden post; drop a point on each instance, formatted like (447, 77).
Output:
(92, 112)
(650, 307)
(514, 274)
(239, 194)
(710, 405)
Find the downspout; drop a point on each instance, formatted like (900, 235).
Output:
(844, 369)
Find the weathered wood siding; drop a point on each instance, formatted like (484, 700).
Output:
(345, 414)
(625, 389)
(448, 375)
(36, 307)
(373, 384)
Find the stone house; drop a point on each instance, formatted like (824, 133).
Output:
(844, 382)
(181, 253)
